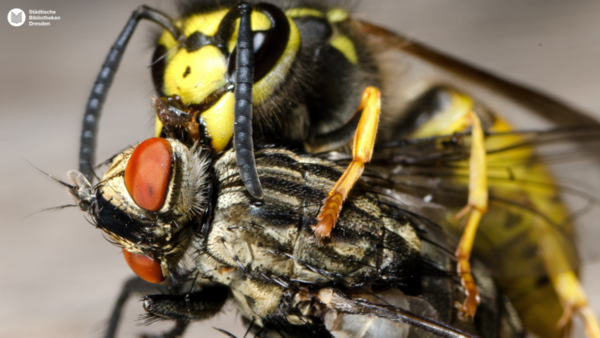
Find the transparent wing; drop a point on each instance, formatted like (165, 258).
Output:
(555, 137)
(541, 184)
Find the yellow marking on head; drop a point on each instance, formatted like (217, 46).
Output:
(299, 12)
(167, 40)
(193, 76)
(158, 126)
(218, 121)
(346, 47)
(336, 15)
(258, 22)
(264, 88)
(205, 23)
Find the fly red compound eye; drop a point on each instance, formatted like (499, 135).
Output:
(147, 173)
(144, 267)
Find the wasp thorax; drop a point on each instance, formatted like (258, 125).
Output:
(148, 201)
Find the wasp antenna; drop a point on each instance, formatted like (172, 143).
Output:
(87, 148)
(244, 80)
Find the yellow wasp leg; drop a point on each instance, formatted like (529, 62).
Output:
(592, 328)
(458, 117)
(476, 207)
(574, 301)
(362, 151)
(567, 285)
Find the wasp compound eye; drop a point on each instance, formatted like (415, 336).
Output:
(144, 267)
(268, 45)
(148, 172)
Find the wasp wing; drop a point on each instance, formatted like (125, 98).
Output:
(412, 68)
(526, 215)
(417, 61)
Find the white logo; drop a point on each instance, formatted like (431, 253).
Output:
(16, 17)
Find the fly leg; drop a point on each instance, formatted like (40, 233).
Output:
(133, 286)
(362, 151)
(185, 308)
(175, 332)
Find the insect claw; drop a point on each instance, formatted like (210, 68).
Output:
(565, 319)
(467, 310)
(328, 215)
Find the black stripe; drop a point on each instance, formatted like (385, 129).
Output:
(294, 189)
(116, 221)
(275, 215)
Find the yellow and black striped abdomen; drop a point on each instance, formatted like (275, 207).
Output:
(525, 238)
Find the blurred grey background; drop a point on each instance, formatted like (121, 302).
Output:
(59, 276)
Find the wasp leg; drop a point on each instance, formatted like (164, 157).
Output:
(574, 300)
(134, 285)
(362, 151)
(476, 207)
(565, 282)
(592, 328)
(457, 116)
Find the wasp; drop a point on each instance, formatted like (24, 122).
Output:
(302, 74)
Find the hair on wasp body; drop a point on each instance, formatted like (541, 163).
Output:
(323, 113)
